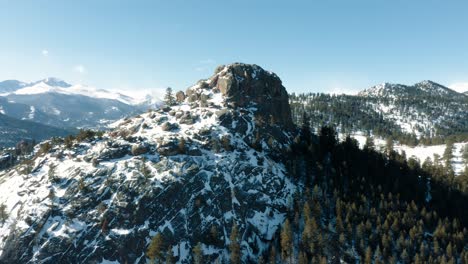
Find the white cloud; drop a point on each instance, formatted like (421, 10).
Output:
(80, 69)
(45, 53)
(460, 87)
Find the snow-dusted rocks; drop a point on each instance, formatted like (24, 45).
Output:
(251, 86)
(217, 163)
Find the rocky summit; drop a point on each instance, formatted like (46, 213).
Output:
(246, 85)
(187, 173)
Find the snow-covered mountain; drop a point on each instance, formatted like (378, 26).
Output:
(184, 171)
(9, 86)
(60, 87)
(54, 102)
(224, 176)
(424, 88)
(424, 111)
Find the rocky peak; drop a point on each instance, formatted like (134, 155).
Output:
(250, 86)
(54, 82)
(188, 172)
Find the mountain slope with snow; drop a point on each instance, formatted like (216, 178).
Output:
(54, 102)
(9, 86)
(421, 153)
(425, 111)
(103, 199)
(83, 90)
(178, 182)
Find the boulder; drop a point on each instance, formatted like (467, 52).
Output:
(194, 152)
(114, 153)
(187, 119)
(246, 85)
(169, 126)
(139, 149)
(180, 96)
(169, 149)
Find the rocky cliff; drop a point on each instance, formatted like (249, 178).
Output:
(188, 172)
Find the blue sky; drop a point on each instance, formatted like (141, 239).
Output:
(317, 46)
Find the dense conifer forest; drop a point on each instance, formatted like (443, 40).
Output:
(359, 205)
(350, 114)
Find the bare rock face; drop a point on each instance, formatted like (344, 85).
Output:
(180, 96)
(248, 85)
(139, 149)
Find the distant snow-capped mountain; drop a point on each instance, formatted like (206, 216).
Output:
(54, 85)
(9, 86)
(407, 112)
(426, 87)
(55, 102)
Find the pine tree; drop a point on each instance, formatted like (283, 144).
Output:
(234, 246)
(342, 239)
(169, 97)
(465, 154)
(272, 257)
(169, 257)
(3, 213)
(182, 145)
(369, 145)
(405, 256)
(448, 154)
(368, 256)
(449, 250)
(302, 258)
(389, 147)
(154, 251)
(323, 260)
(198, 254)
(286, 241)
(214, 234)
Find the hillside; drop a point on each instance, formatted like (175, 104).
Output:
(196, 155)
(13, 130)
(422, 153)
(223, 175)
(425, 112)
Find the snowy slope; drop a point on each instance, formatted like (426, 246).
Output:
(179, 171)
(421, 152)
(424, 110)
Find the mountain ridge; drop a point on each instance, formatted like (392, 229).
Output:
(425, 87)
(54, 102)
(424, 112)
(214, 157)
(212, 177)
